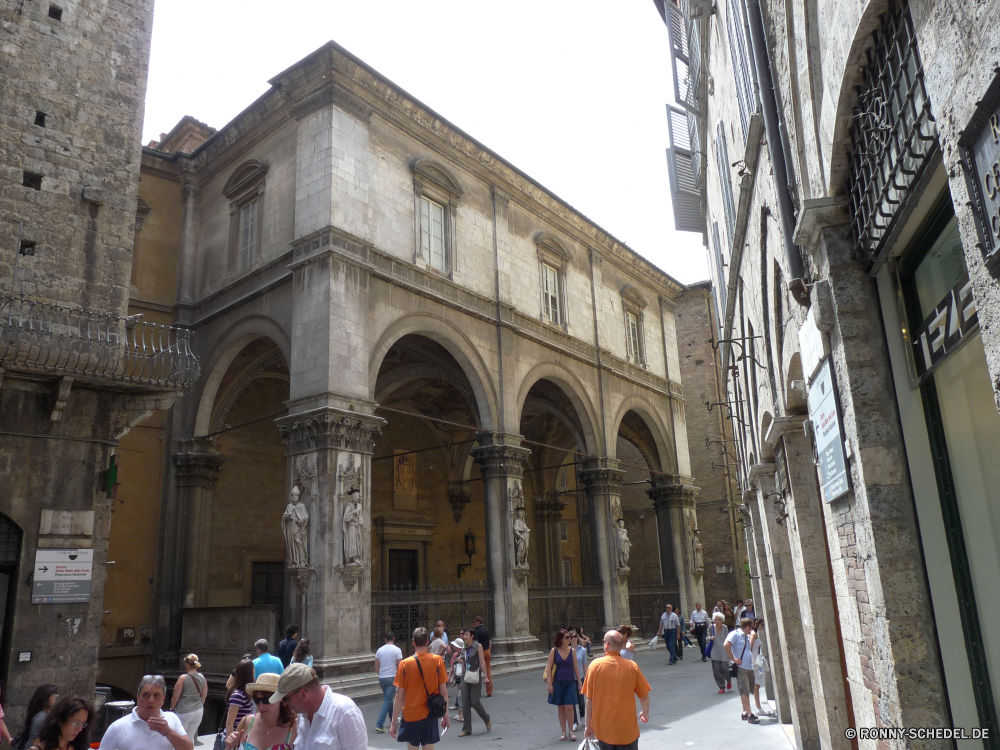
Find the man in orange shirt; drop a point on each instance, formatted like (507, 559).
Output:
(610, 685)
(415, 682)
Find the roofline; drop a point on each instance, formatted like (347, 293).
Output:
(332, 45)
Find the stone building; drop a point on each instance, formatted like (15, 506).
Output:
(839, 159)
(76, 370)
(430, 389)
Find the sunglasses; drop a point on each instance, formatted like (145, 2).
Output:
(257, 701)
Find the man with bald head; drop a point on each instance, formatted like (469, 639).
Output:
(610, 686)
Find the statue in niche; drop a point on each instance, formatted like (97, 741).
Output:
(295, 525)
(521, 541)
(353, 522)
(624, 545)
(699, 556)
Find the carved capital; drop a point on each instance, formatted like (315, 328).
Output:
(549, 509)
(351, 574)
(303, 577)
(501, 461)
(672, 492)
(602, 481)
(329, 428)
(197, 464)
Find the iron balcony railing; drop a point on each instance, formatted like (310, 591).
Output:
(42, 337)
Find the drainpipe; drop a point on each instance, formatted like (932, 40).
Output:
(775, 130)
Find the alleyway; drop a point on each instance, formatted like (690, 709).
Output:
(685, 711)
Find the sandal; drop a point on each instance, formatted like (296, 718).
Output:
(572, 736)
(562, 737)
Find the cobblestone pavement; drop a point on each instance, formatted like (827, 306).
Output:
(686, 710)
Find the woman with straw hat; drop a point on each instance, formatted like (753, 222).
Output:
(272, 727)
(188, 700)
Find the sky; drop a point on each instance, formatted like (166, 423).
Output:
(571, 92)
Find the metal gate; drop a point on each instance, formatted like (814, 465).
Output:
(646, 602)
(405, 609)
(551, 608)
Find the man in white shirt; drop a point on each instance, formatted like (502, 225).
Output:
(147, 727)
(738, 649)
(326, 719)
(670, 625)
(387, 660)
(699, 619)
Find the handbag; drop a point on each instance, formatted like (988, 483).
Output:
(437, 706)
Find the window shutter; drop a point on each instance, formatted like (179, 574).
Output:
(720, 273)
(739, 57)
(679, 52)
(685, 192)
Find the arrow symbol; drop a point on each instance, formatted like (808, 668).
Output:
(43, 569)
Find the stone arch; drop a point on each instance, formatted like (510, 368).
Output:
(248, 173)
(457, 344)
(795, 400)
(575, 392)
(766, 451)
(865, 22)
(664, 458)
(230, 344)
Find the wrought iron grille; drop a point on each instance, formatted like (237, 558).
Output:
(553, 607)
(646, 602)
(403, 610)
(893, 134)
(10, 542)
(42, 337)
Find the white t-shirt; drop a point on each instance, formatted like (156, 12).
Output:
(132, 733)
(388, 657)
(738, 640)
(337, 725)
(699, 617)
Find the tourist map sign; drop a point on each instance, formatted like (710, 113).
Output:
(62, 575)
(834, 479)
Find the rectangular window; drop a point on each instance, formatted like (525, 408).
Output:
(567, 572)
(248, 232)
(432, 233)
(739, 57)
(726, 181)
(563, 535)
(550, 294)
(632, 336)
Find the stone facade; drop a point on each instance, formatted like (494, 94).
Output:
(800, 279)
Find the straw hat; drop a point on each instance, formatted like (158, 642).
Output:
(266, 683)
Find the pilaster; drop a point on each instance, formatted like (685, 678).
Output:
(196, 470)
(604, 486)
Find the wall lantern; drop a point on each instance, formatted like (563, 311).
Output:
(470, 550)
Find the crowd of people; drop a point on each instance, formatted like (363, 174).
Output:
(276, 701)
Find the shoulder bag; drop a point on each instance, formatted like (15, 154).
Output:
(472, 676)
(734, 668)
(437, 706)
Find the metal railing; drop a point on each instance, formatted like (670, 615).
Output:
(403, 610)
(647, 601)
(43, 337)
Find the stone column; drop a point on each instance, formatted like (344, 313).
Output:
(813, 582)
(787, 620)
(676, 519)
(763, 597)
(196, 467)
(502, 467)
(331, 449)
(604, 487)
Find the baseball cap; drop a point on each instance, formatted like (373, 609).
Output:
(295, 676)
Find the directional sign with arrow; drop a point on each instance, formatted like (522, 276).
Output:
(62, 575)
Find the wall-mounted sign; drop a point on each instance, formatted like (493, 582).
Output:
(980, 147)
(941, 333)
(825, 416)
(62, 575)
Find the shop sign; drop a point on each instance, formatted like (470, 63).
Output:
(62, 575)
(825, 416)
(980, 148)
(944, 330)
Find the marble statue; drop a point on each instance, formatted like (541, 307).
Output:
(521, 534)
(353, 521)
(699, 556)
(624, 545)
(295, 525)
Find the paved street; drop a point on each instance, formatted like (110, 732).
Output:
(685, 711)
